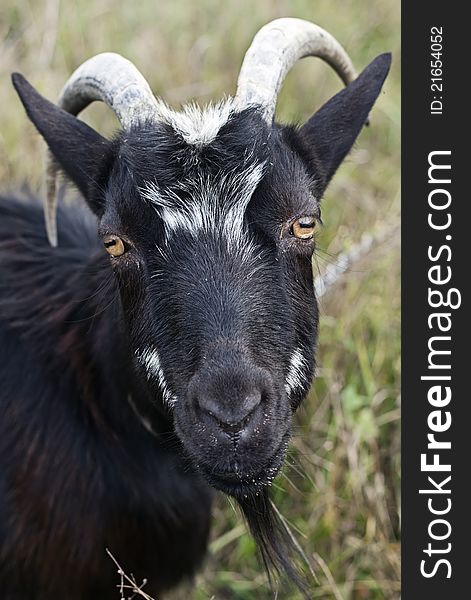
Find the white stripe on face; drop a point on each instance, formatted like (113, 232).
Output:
(296, 378)
(211, 204)
(149, 359)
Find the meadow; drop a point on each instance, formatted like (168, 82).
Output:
(340, 489)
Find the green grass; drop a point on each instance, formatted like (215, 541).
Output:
(340, 488)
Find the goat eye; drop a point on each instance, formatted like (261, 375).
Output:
(303, 228)
(114, 245)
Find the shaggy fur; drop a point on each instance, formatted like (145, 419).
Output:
(131, 385)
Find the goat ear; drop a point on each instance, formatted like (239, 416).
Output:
(78, 148)
(332, 130)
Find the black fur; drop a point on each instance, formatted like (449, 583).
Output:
(226, 308)
(80, 473)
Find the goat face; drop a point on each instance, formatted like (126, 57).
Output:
(220, 308)
(209, 231)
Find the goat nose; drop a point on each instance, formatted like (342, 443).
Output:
(234, 418)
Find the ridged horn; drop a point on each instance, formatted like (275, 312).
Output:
(115, 81)
(274, 50)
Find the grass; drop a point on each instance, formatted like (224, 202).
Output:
(340, 488)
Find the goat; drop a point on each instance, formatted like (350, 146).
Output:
(162, 355)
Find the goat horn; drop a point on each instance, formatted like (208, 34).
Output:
(274, 50)
(114, 80)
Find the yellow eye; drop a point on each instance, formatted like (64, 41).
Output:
(303, 228)
(114, 245)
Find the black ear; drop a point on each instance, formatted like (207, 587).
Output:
(331, 131)
(78, 149)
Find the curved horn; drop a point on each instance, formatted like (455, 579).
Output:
(114, 80)
(274, 50)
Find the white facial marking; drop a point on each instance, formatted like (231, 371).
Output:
(149, 359)
(211, 204)
(197, 126)
(295, 378)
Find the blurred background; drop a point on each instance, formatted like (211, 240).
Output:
(339, 491)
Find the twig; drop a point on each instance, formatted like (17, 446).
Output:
(131, 582)
(345, 260)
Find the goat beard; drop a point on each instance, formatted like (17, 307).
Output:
(280, 553)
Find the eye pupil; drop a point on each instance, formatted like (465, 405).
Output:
(306, 224)
(303, 228)
(114, 245)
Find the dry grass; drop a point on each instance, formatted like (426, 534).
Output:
(340, 489)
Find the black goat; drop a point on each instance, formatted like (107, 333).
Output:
(135, 379)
